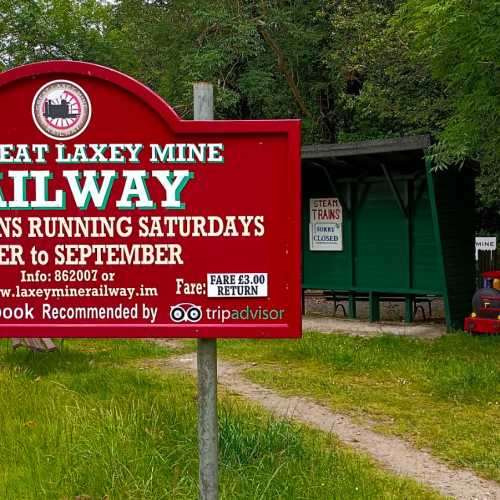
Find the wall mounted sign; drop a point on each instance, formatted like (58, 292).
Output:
(120, 219)
(485, 243)
(325, 224)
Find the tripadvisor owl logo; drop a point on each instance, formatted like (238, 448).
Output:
(61, 109)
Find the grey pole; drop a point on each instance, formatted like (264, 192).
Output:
(203, 94)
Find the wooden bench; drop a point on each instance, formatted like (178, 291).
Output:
(35, 345)
(413, 303)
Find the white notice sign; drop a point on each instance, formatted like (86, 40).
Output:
(488, 243)
(325, 224)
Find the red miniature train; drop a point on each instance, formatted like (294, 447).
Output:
(485, 316)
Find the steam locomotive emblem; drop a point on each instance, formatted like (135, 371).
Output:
(61, 109)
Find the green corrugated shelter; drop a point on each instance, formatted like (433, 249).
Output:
(407, 231)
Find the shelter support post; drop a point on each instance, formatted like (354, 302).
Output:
(408, 309)
(352, 306)
(374, 307)
(437, 238)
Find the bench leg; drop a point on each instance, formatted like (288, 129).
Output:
(417, 308)
(374, 307)
(341, 306)
(352, 307)
(408, 309)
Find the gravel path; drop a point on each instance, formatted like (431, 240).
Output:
(427, 331)
(321, 317)
(392, 453)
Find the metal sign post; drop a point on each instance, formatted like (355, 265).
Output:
(207, 419)
(207, 357)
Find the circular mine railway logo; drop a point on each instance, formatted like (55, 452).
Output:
(61, 109)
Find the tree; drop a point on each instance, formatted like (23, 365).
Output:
(349, 70)
(315, 60)
(459, 40)
(34, 30)
(387, 94)
(265, 58)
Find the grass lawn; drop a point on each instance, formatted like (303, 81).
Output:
(89, 422)
(443, 395)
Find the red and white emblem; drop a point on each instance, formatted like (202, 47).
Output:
(61, 109)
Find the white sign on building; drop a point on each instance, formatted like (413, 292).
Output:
(485, 243)
(325, 224)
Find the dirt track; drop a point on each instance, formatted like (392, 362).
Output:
(392, 453)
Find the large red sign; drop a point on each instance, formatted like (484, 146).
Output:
(117, 218)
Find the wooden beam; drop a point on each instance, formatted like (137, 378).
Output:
(410, 203)
(394, 190)
(372, 179)
(412, 143)
(362, 194)
(438, 242)
(333, 187)
(408, 309)
(373, 307)
(421, 190)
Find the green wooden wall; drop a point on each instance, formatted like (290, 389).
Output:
(414, 237)
(385, 248)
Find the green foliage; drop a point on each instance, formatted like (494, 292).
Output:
(35, 30)
(387, 91)
(349, 70)
(460, 42)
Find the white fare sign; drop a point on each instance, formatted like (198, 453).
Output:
(325, 224)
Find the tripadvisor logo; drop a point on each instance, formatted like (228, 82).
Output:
(247, 314)
(61, 109)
